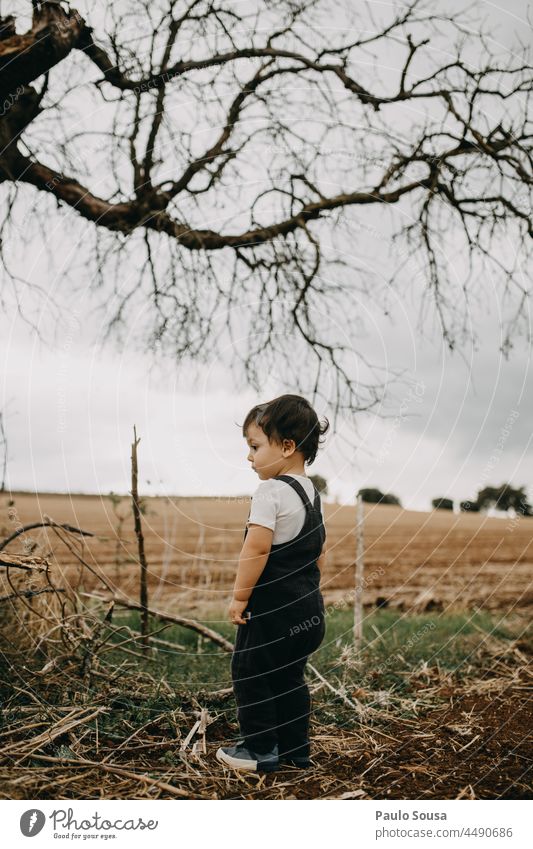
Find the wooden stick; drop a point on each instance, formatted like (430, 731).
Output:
(31, 593)
(167, 617)
(190, 735)
(202, 728)
(24, 561)
(48, 523)
(83, 762)
(65, 724)
(355, 705)
(359, 572)
(167, 643)
(140, 539)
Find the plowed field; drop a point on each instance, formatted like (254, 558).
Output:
(413, 560)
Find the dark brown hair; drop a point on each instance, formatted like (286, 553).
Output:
(289, 417)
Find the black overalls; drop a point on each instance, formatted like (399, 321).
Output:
(287, 624)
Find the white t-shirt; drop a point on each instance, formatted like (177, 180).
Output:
(277, 506)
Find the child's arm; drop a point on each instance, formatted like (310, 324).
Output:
(252, 561)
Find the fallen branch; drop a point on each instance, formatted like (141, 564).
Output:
(64, 725)
(216, 694)
(31, 593)
(24, 561)
(136, 506)
(204, 722)
(192, 624)
(83, 562)
(355, 705)
(48, 523)
(190, 735)
(136, 635)
(84, 762)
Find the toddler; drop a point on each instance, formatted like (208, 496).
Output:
(277, 604)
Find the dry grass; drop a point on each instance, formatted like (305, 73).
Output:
(84, 725)
(88, 714)
(413, 560)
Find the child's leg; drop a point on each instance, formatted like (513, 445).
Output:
(252, 685)
(293, 706)
(293, 700)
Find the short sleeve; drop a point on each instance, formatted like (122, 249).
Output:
(265, 506)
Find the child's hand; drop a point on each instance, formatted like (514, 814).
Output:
(236, 610)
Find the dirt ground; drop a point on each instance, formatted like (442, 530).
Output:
(473, 748)
(466, 741)
(447, 736)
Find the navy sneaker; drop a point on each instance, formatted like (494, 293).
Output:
(241, 758)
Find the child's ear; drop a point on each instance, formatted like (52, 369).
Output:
(289, 446)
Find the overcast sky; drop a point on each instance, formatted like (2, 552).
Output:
(70, 405)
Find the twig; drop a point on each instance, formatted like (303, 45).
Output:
(192, 624)
(204, 716)
(83, 562)
(190, 735)
(48, 523)
(31, 593)
(24, 561)
(140, 539)
(355, 705)
(359, 573)
(65, 724)
(84, 762)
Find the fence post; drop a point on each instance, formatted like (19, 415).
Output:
(359, 573)
(140, 542)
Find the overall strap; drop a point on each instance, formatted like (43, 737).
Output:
(246, 526)
(297, 486)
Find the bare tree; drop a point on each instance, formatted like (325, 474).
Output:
(226, 158)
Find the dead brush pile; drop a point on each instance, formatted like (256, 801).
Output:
(75, 725)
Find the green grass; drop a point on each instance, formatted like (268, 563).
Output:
(396, 648)
(393, 644)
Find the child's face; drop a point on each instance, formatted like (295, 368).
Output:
(267, 459)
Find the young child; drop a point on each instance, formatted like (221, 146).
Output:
(277, 604)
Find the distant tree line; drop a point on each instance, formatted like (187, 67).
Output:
(320, 483)
(374, 496)
(503, 497)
